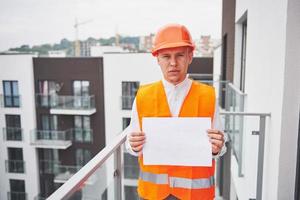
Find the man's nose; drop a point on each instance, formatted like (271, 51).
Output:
(173, 61)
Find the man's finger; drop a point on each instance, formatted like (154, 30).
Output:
(218, 143)
(218, 136)
(137, 134)
(136, 138)
(215, 149)
(213, 131)
(135, 144)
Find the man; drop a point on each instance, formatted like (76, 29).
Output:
(174, 96)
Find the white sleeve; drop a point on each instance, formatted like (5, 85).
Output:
(217, 124)
(133, 126)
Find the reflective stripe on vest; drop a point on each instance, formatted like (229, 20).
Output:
(187, 183)
(176, 182)
(154, 178)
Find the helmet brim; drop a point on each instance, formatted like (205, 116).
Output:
(154, 51)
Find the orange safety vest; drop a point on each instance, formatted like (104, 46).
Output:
(187, 183)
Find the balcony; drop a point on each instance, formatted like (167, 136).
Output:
(239, 125)
(16, 195)
(12, 134)
(15, 166)
(67, 105)
(52, 139)
(64, 172)
(10, 101)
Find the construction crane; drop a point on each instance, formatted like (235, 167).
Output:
(77, 42)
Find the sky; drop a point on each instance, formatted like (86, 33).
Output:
(36, 22)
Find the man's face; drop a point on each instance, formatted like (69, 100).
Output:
(174, 63)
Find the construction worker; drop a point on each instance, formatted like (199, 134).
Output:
(174, 96)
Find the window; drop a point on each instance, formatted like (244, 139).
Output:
(11, 94)
(49, 125)
(83, 156)
(129, 90)
(243, 56)
(82, 129)
(15, 163)
(17, 190)
(13, 128)
(81, 91)
(47, 92)
(48, 160)
(126, 122)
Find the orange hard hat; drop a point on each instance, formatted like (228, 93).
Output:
(172, 35)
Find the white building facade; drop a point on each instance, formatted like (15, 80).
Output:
(18, 168)
(266, 69)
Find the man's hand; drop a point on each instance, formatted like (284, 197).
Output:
(136, 141)
(216, 138)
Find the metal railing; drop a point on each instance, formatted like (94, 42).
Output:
(66, 102)
(38, 135)
(48, 101)
(70, 169)
(234, 120)
(12, 134)
(78, 181)
(260, 129)
(15, 166)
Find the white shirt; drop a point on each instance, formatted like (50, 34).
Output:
(175, 96)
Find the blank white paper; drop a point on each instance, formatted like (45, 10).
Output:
(180, 141)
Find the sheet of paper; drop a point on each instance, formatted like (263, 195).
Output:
(177, 141)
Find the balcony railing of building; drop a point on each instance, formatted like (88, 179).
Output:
(15, 166)
(16, 195)
(10, 101)
(52, 138)
(64, 172)
(236, 123)
(12, 134)
(67, 105)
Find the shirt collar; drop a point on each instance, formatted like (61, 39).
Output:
(169, 85)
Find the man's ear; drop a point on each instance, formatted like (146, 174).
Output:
(190, 55)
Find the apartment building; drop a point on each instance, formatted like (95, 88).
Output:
(260, 56)
(70, 126)
(18, 160)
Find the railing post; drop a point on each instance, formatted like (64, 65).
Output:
(260, 164)
(118, 173)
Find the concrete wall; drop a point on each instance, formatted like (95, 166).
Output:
(290, 105)
(19, 67)
(271, 78)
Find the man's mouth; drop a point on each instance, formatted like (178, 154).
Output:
(173, 71)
